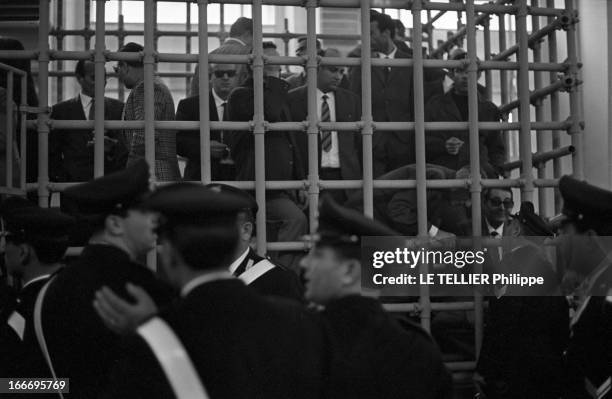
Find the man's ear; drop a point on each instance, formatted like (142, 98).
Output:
(246, 231)
(352, 272)
(25, 254)
(114, 224)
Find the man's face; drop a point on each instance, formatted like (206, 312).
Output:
(123, 74)
(88, 80)
(323, 274)
(497, 206)
(271, 70)
(328, 78)
(139, 231)
(460, 80)
(379, 40)
(224, 79)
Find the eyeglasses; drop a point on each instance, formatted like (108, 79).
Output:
(229, 73)
(496, 201)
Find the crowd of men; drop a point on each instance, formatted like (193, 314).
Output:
(217, 319)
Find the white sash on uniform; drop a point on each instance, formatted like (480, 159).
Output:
(256, 271)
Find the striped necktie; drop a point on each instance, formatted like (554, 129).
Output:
(326, 140)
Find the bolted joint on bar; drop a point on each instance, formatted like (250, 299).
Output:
(311, 3)
(149, 58)
(568, 18)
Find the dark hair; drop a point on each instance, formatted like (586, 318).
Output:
(79, 69)
(487, 191)
(204, 246)
(384, 22)
(132, 47)
(400, 29)
(269, 44)
(241, 26)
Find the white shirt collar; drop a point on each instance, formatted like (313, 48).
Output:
(203, 279)
(85, 99)
(233, 39)
(238, 261)
(35, 279)
(390, 55)
(218, 100)
(329, 94)
(499, 230)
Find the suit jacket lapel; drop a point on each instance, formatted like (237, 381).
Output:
(78, 107)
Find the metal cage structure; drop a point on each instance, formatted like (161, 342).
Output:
(529, 65)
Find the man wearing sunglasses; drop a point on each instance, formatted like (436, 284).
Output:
(497, 207)
(223, 79)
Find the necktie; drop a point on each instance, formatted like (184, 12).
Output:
(223, 118)
(326, 140)
(92, 110)
(494, 233)
(387, 70)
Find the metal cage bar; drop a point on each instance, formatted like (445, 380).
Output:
(366, 111)
(100, 71)
(43, 117)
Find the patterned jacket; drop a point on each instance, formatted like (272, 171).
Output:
(166, 163)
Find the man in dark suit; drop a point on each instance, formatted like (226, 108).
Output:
(584, 248)
(371, 356)
(392, 97)
(239, 343)
(71, 157)
(80, 347)
(36, 240)
(283, 160)
(224, 78)
(339, 151)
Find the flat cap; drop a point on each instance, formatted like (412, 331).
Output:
(13, 203)
(35, 222)
(117, 191)
(340, 225)
(189, 203)
(585, 203)
(226, 188)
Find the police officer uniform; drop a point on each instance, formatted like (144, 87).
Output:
(259, 273)
(589, 354)
(371, 355)
(80, 346)
(241, 344)
(19, 349)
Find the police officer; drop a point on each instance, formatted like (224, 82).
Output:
(585, 249)
(257, 272)
(371, 355)
(80, 347)
(36, 240)
(239, 343)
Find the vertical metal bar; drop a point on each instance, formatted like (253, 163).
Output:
(43, 117)
(524, 107)
(87, 22)
(575, 131)
(419, 132)
(149, 69)
(121, 42)
(312, 131)
(430, 31)
(203, 90)
(221, 23)
(366, 110)
(22, 125)
(99, 60)
(60, 47)
(503, 75)
(539, 111)
(475, 186)
(9, 129)
(258, 125)
(187, 45)
(554, 104)
(487, 56)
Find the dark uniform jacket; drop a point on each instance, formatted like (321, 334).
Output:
(277, 281)
(242, 344)
(373, 357)
(349, 142)
(492, 149)
(589, 353)
(282, 156)
(70, 158)
(80, 346)
(188, 141)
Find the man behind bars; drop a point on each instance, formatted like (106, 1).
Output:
(452, 148)
(223, 79)
(283, 160)
(131, 74)
(71, 157)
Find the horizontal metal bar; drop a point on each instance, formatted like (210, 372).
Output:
(12, 191)
(289, 246)
(436, 306)
(10, 68)
(539, 158)
(562, 84)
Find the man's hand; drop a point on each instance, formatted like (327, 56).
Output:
(217, 149)
(453, 145)
(302, 199)
(121, 316)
